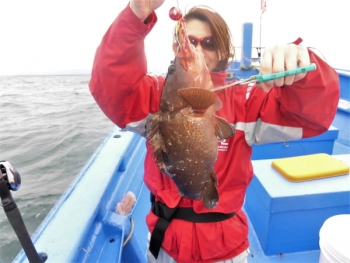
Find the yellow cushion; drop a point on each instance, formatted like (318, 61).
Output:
(310, 167)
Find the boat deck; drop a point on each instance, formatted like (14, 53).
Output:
(83, 227)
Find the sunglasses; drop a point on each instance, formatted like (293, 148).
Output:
(206, 42)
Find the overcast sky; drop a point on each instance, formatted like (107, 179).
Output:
(41, 36)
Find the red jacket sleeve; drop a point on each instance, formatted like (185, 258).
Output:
(119, 81)
(306, 108)
(315, 98)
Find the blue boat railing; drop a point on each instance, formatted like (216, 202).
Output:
(83, 225)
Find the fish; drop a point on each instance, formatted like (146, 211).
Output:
(184, 132)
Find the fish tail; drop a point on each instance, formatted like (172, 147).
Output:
(210, 194)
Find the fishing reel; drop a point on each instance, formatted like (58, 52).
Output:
(10, 175)
(11, 180)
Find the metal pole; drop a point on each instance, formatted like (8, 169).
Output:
(259, 53)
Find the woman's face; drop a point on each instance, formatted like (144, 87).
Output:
(200, 29)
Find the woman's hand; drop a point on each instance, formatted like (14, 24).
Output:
(280, 58)
(143, 8)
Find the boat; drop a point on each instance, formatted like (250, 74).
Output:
(84, 226)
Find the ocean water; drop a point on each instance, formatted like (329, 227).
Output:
(50, 126)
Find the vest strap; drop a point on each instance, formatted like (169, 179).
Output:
(166, 214)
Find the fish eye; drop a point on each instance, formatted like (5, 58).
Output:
(171, 69)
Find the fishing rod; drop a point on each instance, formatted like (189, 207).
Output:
(11, 180)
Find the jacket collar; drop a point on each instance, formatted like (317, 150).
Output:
(218, 78)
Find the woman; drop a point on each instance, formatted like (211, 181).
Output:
(293, 107)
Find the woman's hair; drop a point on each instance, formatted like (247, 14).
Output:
(220, 32)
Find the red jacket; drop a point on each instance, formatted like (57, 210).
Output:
(128, 95)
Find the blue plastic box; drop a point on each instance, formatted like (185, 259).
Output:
(342, 121)
(323, 143)
(344, 82)
(287, 216)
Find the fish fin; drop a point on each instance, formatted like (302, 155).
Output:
(156, 141)
(210, 194)
(217, 104)
(199, 99)
(152, 126)
(223, 129)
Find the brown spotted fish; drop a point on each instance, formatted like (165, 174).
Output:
(184, 132)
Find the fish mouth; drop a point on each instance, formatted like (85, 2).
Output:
(186, 52)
